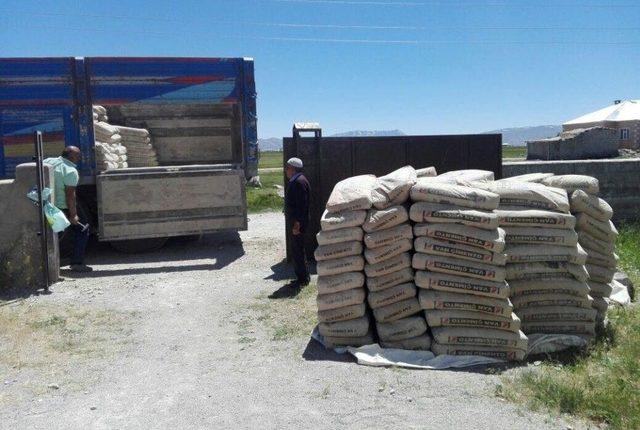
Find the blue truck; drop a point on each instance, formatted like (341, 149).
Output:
(201, 117)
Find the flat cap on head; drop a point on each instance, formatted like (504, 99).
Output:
(295, 162)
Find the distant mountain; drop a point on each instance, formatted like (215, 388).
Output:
(369, 133)
(270, 144)
(275, 143)
(518, 136)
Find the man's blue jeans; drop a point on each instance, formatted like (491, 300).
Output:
(80, 238)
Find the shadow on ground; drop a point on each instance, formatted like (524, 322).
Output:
(315, 351)
(224, 248)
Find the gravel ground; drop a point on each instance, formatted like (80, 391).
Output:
(182, 362)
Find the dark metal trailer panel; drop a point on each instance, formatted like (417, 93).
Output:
(328, 160)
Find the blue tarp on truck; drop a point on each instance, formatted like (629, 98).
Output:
(55, 96)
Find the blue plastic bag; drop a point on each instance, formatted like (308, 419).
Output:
(55, 217)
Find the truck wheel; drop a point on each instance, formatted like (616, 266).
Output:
(135, 246)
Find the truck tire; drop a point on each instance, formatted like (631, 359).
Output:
(135, 246)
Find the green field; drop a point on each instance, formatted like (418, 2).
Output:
(265, 198)
(270, 160)
(514, 152)
(603, 384)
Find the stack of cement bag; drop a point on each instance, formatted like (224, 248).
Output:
(545, 264)
(389, 244)
(596, 234)
(140, 151)
(109, 152)
(461, 268)
(342, 312)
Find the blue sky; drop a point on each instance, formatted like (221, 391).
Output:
(425, 67)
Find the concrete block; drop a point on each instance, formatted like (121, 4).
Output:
(21, 265)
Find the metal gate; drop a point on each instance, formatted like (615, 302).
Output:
(328, 160)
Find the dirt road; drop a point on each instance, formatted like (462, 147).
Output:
(196, 344)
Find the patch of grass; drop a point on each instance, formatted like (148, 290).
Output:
(514, 152)
(628, 248)
(270, 159)
(602, 384)
(287, 318)
(53, 344)
(266, 198)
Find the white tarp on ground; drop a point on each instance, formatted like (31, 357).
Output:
(375, 355)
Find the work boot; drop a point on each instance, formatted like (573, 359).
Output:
(81, 268)
(304, 282)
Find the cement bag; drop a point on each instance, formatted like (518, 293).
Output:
(396, 311)
(564, 327)
(339, 220)
(461, 284)
(380, 219)
(104, 129)
(388, 236)
(546, 270)
(351, 328)
(455, 318)
(130, 131)
(601, 306)
(337, 250)
(393, 189)
(479, 336)
(522, 302)
(440, 300)
(602, 230)
(492, 240)
(381, 253)
(351, 194)
(538, 287)
(340, 299)
(337, 342)
(527, 177)
(591, 205)
(468, 175)
(591, 243)
(137, 142)
(426, 172)
(342, 314)
(600, 289)
(529, 253)
(354, 263)
(535, 218)
(541, 235)
(426, 190)
(499, 353)
(404, 328)
(431, 246)
(456, 266)
(350, 234)
(389, 280)
(557, 313)
(571, 183)
(606, 260)
(393, 264)
(439, 213)
(530, 195)
(342, 282)
(419, 343)
(600, 274)
(391, 295)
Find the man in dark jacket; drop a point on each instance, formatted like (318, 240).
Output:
(297, 211)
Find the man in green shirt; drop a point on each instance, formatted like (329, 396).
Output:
(65, 181)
